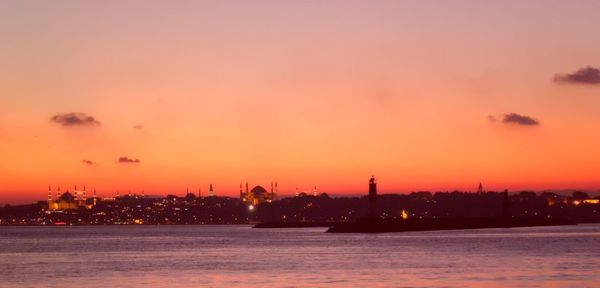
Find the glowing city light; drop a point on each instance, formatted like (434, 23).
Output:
(404, 215)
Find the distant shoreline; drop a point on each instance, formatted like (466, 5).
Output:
(265, 225)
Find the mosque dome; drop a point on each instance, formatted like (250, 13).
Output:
(258, 190)
(66, 197)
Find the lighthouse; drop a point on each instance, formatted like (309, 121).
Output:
(372, 198)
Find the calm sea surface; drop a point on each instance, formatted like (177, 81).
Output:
(226, 256)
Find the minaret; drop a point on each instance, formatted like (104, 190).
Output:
(242, 193)
(75, 193)
(84, 194)
(246, 188)
(58, 192)
(275, 194)
(199, 193)
(372, 198)
(49, 196)
(211, 192)
(480, 189)
(95, 197)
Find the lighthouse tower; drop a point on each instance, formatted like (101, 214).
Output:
(372, 198)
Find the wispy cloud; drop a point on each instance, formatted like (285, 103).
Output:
(138, 127)
(88, 162)
(128, 160)
(74, 119)
(586, 75)
(514, 118)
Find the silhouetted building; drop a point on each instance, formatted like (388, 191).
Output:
(190, 197)
(506, 205)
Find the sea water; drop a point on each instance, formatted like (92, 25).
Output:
(240, 256)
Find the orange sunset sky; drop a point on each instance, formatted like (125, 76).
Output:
(426, 95)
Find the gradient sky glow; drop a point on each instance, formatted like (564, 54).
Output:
(307, 93)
